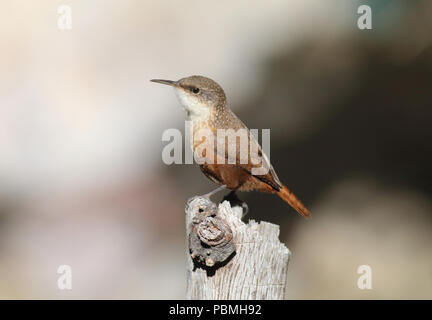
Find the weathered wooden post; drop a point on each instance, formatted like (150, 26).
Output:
(228, 259)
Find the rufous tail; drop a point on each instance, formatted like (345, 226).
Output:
(292, 200)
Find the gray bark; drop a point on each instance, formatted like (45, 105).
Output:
(228, 259)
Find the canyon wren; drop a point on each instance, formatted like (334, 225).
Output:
(206, 106)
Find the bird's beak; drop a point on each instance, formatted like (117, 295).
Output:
(167, 82)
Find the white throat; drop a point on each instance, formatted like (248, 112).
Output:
(196, 110)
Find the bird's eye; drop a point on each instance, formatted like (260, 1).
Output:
(196, 90)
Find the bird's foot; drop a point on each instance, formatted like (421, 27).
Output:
(236, 202)
(218, 189)
(205, 196)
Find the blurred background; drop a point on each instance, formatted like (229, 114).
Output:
(82, 182)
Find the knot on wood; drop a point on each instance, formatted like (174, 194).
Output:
(210, 237)
(214, 232)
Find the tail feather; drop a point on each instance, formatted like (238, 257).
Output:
(293, 201)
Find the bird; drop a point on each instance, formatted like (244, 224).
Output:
(207, 110)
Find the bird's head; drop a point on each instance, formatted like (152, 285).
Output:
(198, 94)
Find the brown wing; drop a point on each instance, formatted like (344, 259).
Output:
(249, 155)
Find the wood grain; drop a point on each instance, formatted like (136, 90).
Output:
(258, 270)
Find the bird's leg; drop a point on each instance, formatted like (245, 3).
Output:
(208, 195)
(235, 201)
